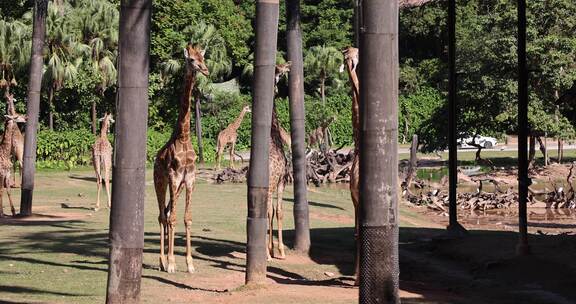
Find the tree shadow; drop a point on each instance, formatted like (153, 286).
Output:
(29, 290)
(316, 204)
(83, 178)
(182, 285)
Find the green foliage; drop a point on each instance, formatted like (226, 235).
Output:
(64, 149)
(415, 111)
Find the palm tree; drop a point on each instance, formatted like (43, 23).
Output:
(33, 106)
(14, 51)
(98, 24)
(64, 55)
(128, 188)
(258, 175)
(323, 61)
(297, 119)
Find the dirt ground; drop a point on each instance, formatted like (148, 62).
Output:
(60, 255)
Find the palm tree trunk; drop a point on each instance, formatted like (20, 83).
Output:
(198, 125)
(379, 267)
(33, 105)
(50, 108)
(128, 183)
(258, 177)
(297, 120)
(326, 142)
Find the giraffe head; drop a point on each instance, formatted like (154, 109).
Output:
(350, 58)
(194, 56)
(17, 118)
(10, 104)
(106, 120)
(246, 109)
(282, 69)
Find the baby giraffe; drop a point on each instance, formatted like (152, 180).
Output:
(102, 159)
(10, 126)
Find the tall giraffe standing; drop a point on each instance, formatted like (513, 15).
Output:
(229, 136)
(10, 125)
(18, 138)
(277, 175)
(175, 167)
(351, 62)
(102, 159)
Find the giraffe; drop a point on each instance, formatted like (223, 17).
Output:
(18, 138)
(285, 136)
(317, 135)
(175, 167)
(228, 136)
(10, 125)
(277, 174)
(351, 62)
(102, 159)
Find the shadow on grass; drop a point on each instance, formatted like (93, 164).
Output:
(28, 290)
(83, 178)
(316, 204)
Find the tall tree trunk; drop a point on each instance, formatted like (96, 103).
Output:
(298, 132)
(258, 177)
(198, 125)
(522, 247)
(326, 135)
(454, 228)
(128, 182)
(379, 269)
(560, 150)
(33, 105)
(51, 108)
(94, 117)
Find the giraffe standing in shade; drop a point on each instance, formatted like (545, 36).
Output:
(351, 62)
(229, 136)
(102, 159)
(17, 139)
(10, 126)
(174, 168)
(277, 175)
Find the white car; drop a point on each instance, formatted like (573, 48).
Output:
(484, 141)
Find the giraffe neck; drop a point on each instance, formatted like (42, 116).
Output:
(6, 145)
(275, 136)
(355, 104)
(236, 124)
(183, 124)
(104, 129)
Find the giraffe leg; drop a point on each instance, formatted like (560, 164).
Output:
(188, 224)
(161, 187)
(219, 154)
(107, 168)
(11, 203)
(279, 219)
(98, 180)
(174, 182)
(232, 147)
(1, 204)
(270, 227)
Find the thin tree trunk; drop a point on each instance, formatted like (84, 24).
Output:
(51, 109)
(323, 98)
(128, 182)
(94, 118)
(543, 149)
(33, 105)
(297, 121)
(560, 150)
(198, 125)
(532, 151)
(258, 177)
(379, 269)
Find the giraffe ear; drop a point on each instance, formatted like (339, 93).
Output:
(186, 55)
(203, 52)
(341, 69)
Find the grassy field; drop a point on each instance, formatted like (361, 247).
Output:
(60, 255)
